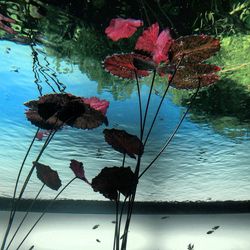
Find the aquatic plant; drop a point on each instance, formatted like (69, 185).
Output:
(179, 62)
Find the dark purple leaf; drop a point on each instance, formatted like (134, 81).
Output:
(77, 168)
(48, 176)
(123, 142)
(110, 181)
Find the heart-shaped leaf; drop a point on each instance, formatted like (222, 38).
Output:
(110, 181)
(193, 49)
(47, 176)
(123, 142)
(190, 76)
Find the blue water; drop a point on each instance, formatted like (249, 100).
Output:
(199, 164)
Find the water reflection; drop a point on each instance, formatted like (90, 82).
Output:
(56, 52)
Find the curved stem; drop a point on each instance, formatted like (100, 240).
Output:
(173, 134)
(140, 103)
(15, 190)
(162, 99)
(25, 216)
(148, 101)
(44, 212)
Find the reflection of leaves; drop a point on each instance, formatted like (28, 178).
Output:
(123, 142)
(189, 76)
(110, 181)
(122, 65)
(194, 48)
(48, 176)
(53, 110)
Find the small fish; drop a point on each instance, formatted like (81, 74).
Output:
(215, 228)
(32, 247)
(98, 240)
(210, 232)
(95, 226)
(190, 246)
(156, 92)
(114, 222)
(164, 217)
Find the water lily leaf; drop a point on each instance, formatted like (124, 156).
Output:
(77, 168)
(48, 176)
(122, 65)
(52, 111)
(110, 181)
(122, 28)
(189, 76)
(142, 64)
(194, 48)
(123, 142)
(154, 43)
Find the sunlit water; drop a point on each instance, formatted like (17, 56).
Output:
(199, 164)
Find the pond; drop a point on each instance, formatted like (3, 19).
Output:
(55, 52)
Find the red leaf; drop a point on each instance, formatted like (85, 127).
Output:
(77, 168)
(97, 104)
(189, 76)
(48, 176)
(157, 46)
(123, 142)
(122, 28)
(194, 48)
(122, 65)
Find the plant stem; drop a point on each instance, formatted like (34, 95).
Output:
(15, 190)
(148, 101)
(44, 212)
(140, 103)
(50, 136)
(25, 216)
(123, 160)
(162, 99)
(173, 134)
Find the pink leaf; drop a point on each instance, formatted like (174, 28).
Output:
(122, 28)
(77, 168)
(157, 46)
(97, 104)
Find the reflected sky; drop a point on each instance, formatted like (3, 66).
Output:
(199, 164)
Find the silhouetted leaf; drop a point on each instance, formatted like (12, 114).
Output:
(194, 48)
(110, 181)
(77, 168)
(122, 65)
(54, 110)
(188, 76)
(95, 226)
(123, 142)
(48, 176)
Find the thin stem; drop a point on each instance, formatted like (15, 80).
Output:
(44, 212)
(173, 134)
(52, 133)
(156, 114)
(117, 226)
(15, 190)
(123, 160)
(140, 103)
(25, 216)
(162, 99)
(148, 101)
